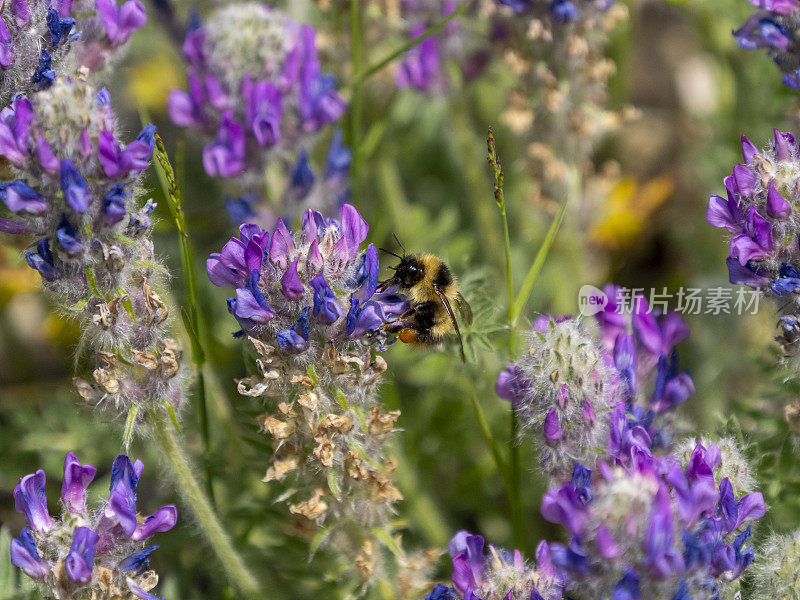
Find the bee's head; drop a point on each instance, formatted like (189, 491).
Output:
(408, 272)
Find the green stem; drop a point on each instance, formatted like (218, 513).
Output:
(515, 466)
(193, 496)
(356, 100)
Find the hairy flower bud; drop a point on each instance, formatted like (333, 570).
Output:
(776, 573)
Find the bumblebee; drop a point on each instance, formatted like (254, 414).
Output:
(431, 289)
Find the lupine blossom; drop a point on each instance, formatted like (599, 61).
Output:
(654, 528)
(75, 195)
(773, 28)
(308, 303)
(255, 86)
(42, 40)
(101, 552)
(496, 574)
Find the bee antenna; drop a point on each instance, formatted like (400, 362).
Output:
(390, 252)
(399, 243)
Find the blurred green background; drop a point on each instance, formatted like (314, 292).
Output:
(424, 177)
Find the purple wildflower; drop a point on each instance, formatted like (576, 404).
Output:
(104, 539)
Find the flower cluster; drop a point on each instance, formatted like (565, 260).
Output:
(584, 396)
(89, 552)
(500, 575)
(774, 27)
(75, 195)
(255, 89)
(555, 48)
(563, 389)
(42, 40)
(309, 305)
(654, 528)
(760, 213)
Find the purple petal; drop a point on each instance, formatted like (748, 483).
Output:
(749, 149)
(552, 429)
(354, 227)
(248, 307)
(122, 500)
(222, 276)
(606, 544)
(746, 249)
(777, 206)
(30, 500)
(25, 556)
(137, 591)
(291, 286)
(77, 478)
(745, 179)
(22, 14)
(511, 384)
(758, 228)
(12, 227)
(47, 159)
(784, 144)
(463, 578)
(281, 245)
(751, 508)
(720, 215)
(163, 519)
(739, 274)
(80, 560)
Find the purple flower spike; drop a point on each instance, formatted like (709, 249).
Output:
(77, 478)
(30, 500)
(326, 309)
(80, 560)
(777, 206)
(163, 519)
(122, 501)
(119, 23)
(291, 286)
(25, 556)
(74, 187)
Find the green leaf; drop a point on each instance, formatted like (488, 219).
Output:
(129, 422)
(172, 417)
(126, 302)
(387, 541)
(333, 485)
(541, 256)
(317, 540)
(90, 279)
(147, 264)
(122, 239)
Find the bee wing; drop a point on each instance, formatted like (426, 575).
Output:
(446, 303)
(464, 308)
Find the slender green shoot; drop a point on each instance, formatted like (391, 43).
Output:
(190, 314)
